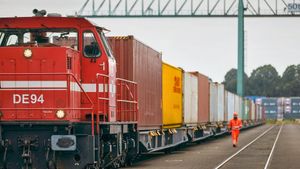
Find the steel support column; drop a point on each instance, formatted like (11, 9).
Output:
(240, 71)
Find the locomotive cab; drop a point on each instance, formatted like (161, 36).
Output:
(58, 95)
(65, 61)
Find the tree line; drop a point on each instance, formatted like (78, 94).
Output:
(265, 81)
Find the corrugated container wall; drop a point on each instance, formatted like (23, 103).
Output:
(190, 99)
(230, 105)
(172, 96)
(213, 102)
(203, 97)
(142, 64)
(221, 102)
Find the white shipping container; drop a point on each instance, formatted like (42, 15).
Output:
(213, 102)
(238, 105)
(260, 112)
(221, 102)
(230, 105)
(252, 110)
(190, 99)
(226, 105)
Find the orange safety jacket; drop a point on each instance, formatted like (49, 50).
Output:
(235, 125)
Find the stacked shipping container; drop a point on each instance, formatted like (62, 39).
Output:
(253, 110)
(142, 64)
(167, 96)
(213, 102)
(190, 99)
(292, 108)
(172, 101)
(221, 102)
(203, 97)
(247, 115)
(229, 105)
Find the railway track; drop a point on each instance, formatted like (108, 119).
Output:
(248, 155)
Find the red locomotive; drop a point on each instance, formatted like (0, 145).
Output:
(61, 104)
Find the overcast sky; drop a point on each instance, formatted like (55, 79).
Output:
(208, 45)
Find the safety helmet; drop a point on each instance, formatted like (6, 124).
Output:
(235, 114)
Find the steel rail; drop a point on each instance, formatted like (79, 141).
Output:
(272, 151)
(242, 149)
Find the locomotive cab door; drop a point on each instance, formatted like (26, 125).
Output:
(98, 75)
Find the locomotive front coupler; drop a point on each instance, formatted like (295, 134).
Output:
(27, 144)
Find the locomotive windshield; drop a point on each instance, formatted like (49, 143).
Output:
(40, 37)
(106, 44)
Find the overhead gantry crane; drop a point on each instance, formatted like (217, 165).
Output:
(195, 8)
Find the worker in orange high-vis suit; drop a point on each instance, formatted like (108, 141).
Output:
(234, 126)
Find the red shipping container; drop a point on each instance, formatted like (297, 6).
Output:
(203, 97)
(142, 64)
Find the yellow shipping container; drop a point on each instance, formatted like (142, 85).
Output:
(172, 96)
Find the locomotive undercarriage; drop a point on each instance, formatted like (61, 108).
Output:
(49, 145)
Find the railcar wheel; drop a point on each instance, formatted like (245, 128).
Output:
(91, 167)
(51, 165)
(168, 151)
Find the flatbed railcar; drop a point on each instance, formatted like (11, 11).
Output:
(62, 105)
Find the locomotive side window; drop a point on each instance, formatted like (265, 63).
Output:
(40, 37)
(90, 46)
(8, 38)
(12, 40)
(1, 37)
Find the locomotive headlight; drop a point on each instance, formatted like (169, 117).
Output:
(60, 114)
(27, 53)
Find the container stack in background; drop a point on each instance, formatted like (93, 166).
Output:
(280, 108)
(295, 102)
(292, 108)
(270, 108)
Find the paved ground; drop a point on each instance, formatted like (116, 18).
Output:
(256, 155)
(205, 155)
(209, 154)
(287, 151)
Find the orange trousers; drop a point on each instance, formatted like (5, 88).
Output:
(235, 136)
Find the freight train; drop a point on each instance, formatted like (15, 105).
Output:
(70, 98)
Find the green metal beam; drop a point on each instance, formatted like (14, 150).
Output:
(188, 8)
(240, 71)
